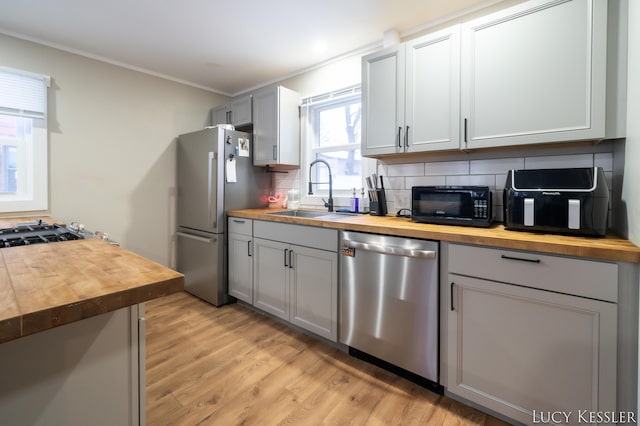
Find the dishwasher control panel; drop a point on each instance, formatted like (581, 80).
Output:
(348, 251)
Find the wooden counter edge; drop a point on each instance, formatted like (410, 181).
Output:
(56, 316)
(610, 248)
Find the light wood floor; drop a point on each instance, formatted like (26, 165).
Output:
(233, 366)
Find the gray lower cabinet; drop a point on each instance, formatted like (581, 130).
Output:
(271, 278)
(296, 282)
(88, 372)
(240, 259)
(529, 334)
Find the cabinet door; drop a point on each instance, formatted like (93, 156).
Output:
(82, 373)
(432, 105)
(314, 291)
(240, 267)
(265, 128)
(240, 111)
(220, 115)
(535, 73)
(276, 127)
(383, 102)
(514, 349)
(271, 271)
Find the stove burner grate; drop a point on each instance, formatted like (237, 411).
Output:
(36, 233)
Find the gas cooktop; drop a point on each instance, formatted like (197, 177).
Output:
(38, 232)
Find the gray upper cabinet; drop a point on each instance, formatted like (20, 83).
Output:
(276, 127)
(383, 101)
(411, 96)
(536, 73)
(220, 115)
(238, 112)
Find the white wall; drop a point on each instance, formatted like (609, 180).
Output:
(631, 186)
(112, 144)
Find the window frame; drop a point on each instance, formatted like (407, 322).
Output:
(34, 195)
(311, 109)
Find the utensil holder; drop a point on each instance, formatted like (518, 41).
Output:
(378, 208)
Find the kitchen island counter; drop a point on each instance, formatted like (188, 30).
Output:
(611, 247)
(47, 285)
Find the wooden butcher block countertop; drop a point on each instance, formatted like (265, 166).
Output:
(46, 285)
(608, 248)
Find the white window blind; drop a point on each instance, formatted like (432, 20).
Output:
(23, 94)
(23, 141)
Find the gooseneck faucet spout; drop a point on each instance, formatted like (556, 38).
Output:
(328, 203)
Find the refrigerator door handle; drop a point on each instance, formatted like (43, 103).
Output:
(212, 183)
(195, 237)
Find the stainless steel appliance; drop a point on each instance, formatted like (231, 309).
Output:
(215, 174)
(452, 205)
(389, 301)
(567, 201)
(40, 232)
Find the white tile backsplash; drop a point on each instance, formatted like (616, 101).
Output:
(425, 181)
(559, 161)
(394, 182)
(604, 160)
(447, 168)
(482, 170)
(494, 166)
(400, 199)
(483, 180)
(477, 170)
(500, 181)
(409, 169)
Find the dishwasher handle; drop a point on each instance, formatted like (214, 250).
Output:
(389, 249)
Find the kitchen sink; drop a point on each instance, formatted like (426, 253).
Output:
(313, 214)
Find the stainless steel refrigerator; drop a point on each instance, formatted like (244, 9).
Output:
(215, 174)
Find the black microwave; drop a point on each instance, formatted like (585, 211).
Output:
(452, 205)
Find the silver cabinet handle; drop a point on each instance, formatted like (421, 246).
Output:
(275, 152)
(451, 296)
(290, 259)
(195, 237)
(286, 252)
(398, 251)
(406, 137)
(399, 144)
(465, 131)
(238, 221)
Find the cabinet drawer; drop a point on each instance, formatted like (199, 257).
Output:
(586, 278)
(307, 236)
(240, 226)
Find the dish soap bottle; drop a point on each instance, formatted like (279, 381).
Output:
(354, 202)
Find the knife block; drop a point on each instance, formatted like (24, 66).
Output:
(378, 208)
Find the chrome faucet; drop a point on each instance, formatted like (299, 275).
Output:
(327, 203)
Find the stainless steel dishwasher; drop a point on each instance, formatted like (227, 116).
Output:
(389, 301)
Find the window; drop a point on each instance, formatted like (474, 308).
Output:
(23, 141)
(331, 132)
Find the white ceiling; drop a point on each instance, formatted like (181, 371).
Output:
(226, 46)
